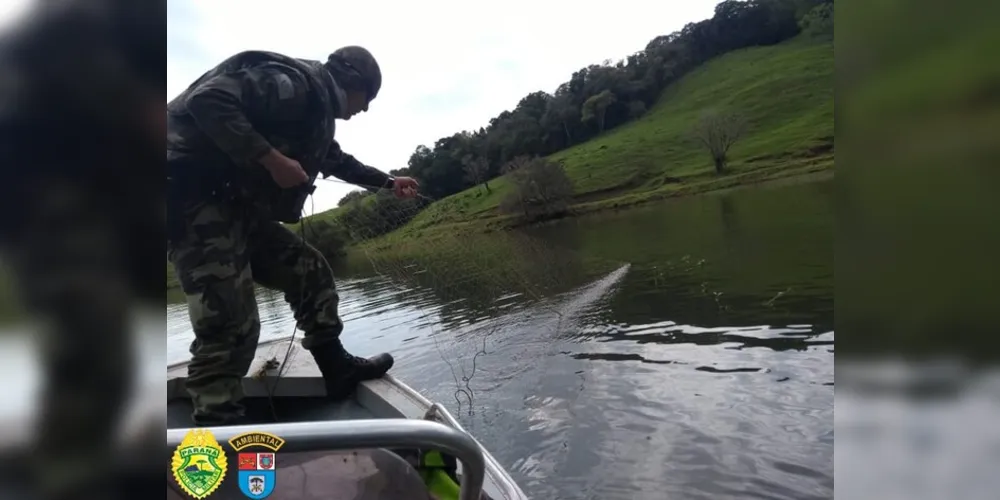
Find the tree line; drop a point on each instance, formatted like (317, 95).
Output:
(597, 98)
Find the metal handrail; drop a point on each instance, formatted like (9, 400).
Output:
(503, 479)
(369, 433)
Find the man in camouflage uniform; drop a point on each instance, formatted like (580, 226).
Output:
(245, 143)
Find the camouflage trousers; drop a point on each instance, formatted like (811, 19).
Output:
(222, 251)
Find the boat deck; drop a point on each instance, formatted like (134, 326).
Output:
(297, 394)
(299, 362)
(259, 410)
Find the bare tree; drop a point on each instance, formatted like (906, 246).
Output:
(515, 164)
(477, 170)
(717, 132)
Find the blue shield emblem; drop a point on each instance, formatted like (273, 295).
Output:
(256, 469)
(256, 483)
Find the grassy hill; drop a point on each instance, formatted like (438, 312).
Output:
(785, 91)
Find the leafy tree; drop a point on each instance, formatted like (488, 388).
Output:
(355, 195)
(541, 189)
(818, 22)
(561, 117)
(596, 107)
(636, 109)
(329, 237)
(381, 215)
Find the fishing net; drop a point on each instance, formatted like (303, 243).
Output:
(480, 284)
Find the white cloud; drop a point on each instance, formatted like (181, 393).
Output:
(447, 65)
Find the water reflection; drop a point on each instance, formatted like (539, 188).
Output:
(474, 278)
(727, 209)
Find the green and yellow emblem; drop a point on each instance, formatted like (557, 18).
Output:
(199, 463)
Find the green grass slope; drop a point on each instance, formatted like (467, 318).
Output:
(785, 91)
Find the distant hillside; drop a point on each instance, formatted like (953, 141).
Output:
(609, 95)
(785, 92)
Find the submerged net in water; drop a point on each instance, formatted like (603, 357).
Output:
(490, 283)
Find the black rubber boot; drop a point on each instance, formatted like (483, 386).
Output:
(342, 371)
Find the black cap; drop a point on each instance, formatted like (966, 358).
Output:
(361, 61)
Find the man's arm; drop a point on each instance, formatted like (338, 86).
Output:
(347, 168)
(221, 107)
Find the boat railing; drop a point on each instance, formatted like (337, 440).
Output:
(371, 433)
(503, 480)
(437, 412)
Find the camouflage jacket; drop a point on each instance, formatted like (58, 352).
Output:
(233, 114)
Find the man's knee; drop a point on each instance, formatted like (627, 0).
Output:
(318, 297)
(305, 277)
(325, 301)
(223, 303)
(228, 351)
(318, 272)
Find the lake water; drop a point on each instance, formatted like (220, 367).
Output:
(681, 350)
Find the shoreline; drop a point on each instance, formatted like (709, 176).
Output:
(817, 169)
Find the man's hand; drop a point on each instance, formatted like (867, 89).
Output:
(285, 171)
(405, 187)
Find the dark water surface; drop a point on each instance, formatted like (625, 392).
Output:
(681, 351)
